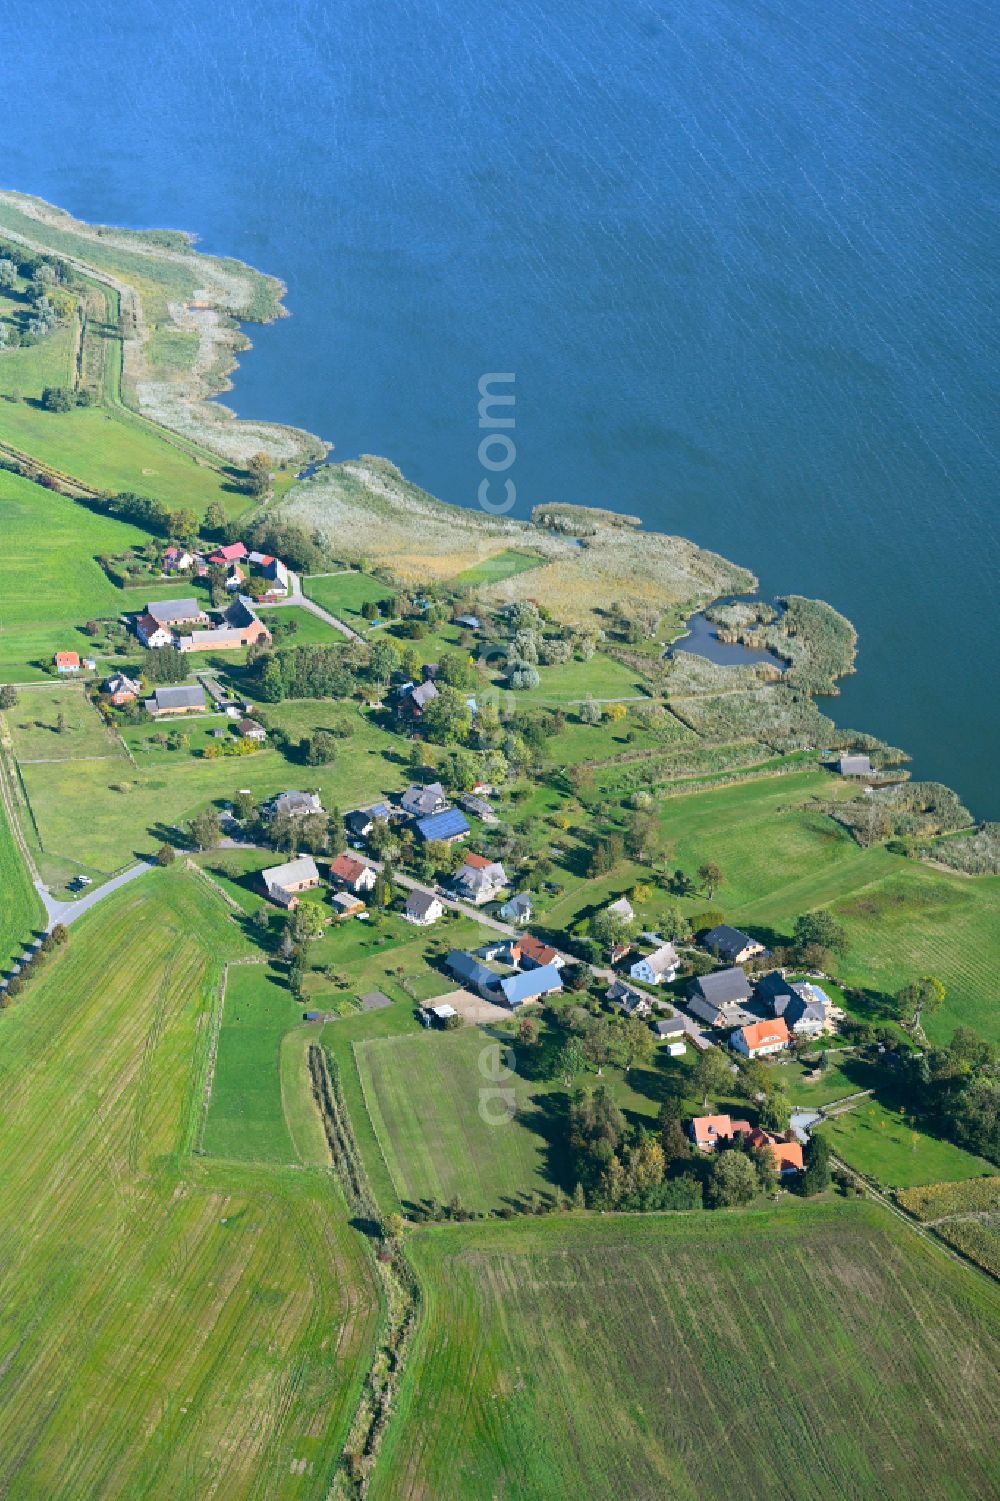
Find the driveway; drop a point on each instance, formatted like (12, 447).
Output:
(296, 597)
(68, 912)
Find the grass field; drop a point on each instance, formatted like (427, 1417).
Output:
(503, 565)
(815, 1351)
(343, 594)
(205, 1325)
(51, 582)
(246, 1119)
(781, 855)
(309, 629)
(133, 808)
(425, 1096)
(884, 1145)
(20, 910)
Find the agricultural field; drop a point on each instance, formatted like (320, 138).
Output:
(935, 1201)
(343, 594)
(887, 1146)
(21, 914)
(206, 1323)
(767, 1353)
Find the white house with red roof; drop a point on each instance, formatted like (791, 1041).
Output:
(354, 874)
(760, 1039)
(708, 1130)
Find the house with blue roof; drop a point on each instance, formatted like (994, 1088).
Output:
(530, 985)
(448, 826)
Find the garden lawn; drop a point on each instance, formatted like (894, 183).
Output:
(886, 1145)
(812, 1350)
(309, 629)
(207, 1324)
(343, 594)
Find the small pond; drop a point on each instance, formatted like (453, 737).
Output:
(702, 639)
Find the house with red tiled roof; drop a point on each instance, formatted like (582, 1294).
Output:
(67, 661)
(535, 953)
(708, 1130)
(787, 1154)
(356, 875)
(760, 1039)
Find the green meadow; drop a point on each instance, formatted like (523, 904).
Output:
(343, 594)
(763, 1353)
(205, 1323)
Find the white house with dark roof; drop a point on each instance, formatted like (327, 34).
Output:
(422, 909)
(421, 802)
(657, 968)
(479, 880)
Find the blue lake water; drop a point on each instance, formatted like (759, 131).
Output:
(739, 253)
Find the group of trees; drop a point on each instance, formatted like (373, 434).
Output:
(953, 1089)
(304, 672)
(33, 962)
(46, 301)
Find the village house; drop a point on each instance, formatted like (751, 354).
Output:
(361, 821)
(803, 1007)
(731, 946)
(708, 1130)
(274, 573)
(631, 1001)
(177, 560)
(422, 909)
(855, 766)
(185, 699)
(412, 699)
(121, 689)
(235, 578)
(421, 802)
(622, 908)
(657, 968)
(447, 827)
(479, 880)
(718, 998)
(532, 953)
(294, 805)
(251, 729)
(761, 1039)
(284, 883)
(151, 633)
(354, 874)
(67, 661)
(518, 909)
(787, 1155)
(669, 1029)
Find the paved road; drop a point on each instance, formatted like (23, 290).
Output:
(68, 912)
(296, 597)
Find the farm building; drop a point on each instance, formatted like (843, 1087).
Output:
(467, 970)
(529, 985)
(185, 699)
(449, 826)
(730, 945)
(283, 883)
(346, 904)
(175, 612)
(717, 998)
(233, 552)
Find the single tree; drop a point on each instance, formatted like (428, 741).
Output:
(205, 830)
(166, 855)
(732, 1181)
(8, 696)
(710, 877)
(712, 1075)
